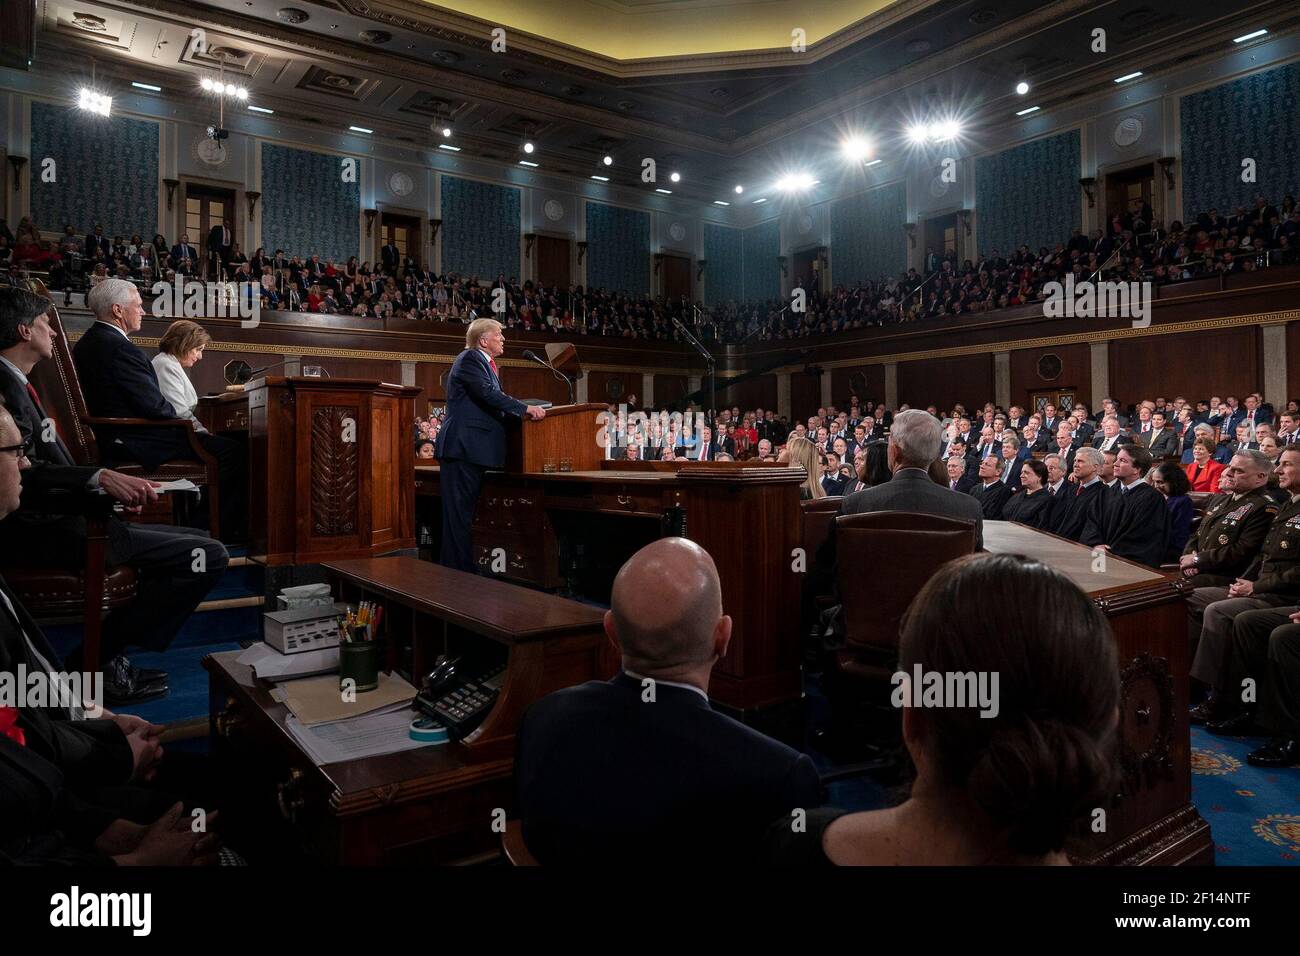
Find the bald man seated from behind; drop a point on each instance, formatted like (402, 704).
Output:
(641, 768)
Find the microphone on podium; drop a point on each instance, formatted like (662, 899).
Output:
(534, 357)
(238, 372)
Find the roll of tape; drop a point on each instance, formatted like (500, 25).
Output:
(427, 730)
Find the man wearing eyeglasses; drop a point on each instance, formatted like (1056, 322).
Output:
(163, 556)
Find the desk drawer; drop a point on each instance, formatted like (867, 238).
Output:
(230, 418)
(629, 499)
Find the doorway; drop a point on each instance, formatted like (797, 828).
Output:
(1060, 397)
(553, 262)
(1128, 193)
(205, 207)
(676, 278)
(805, 270)
(403, 232)
(940, 239)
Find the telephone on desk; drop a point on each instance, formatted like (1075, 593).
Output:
(460, 691)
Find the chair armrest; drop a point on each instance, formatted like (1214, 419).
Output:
(62, 501)
(200, 453)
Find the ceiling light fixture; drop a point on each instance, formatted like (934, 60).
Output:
(603, 179)
(875, 162)
(608, 160)
(1022, 88)
(676, 177)
(360, 129)
(795, 182)
(94, 102)
(524, 162)
(666, 192)
(856, 149)
(757, 201)
(528, 147)
(719, 202)
(260, 109)
(1028, 110)
(1128, 76)
(450, 149)
(1250, 36)
(739, 190)
(446, 132)
(147, 86)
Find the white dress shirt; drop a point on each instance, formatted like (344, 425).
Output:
(176, 387)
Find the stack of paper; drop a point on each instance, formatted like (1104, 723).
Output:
(269, 664)
(368, 736)
(318, 700)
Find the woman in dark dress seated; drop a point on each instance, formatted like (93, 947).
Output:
(1171, 481)
(1006, 788)
(1031, 503)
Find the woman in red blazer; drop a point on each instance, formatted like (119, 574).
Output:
(1203, 471)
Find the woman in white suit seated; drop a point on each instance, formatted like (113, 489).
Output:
(180, 348)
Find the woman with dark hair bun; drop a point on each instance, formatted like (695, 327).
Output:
(1002, 783)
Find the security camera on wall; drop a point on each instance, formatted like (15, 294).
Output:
(217, 133)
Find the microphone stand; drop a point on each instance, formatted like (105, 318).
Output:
(529, 354)
(713, 381)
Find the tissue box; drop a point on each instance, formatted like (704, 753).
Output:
(305, 595)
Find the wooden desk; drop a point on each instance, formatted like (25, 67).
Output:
(224, 414)
(1152, 820)
(429, 805)
(746, 517)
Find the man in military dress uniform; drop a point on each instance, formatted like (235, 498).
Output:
(1234, 526)
(1271, 581)
(1266, 646)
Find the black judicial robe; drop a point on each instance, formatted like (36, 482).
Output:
(1136, 523)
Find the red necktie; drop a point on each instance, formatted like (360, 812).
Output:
(493, 363)
(1078, 491)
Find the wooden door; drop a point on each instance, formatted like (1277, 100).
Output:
(553, 262)
(676, 277)
(205, 207)
(403, 232)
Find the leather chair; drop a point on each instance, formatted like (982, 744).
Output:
(857, 677)
(815, 517)
(512, 845)
(56, 382)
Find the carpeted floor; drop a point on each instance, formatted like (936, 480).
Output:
(1254, 814)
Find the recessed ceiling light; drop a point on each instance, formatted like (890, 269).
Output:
(528, 147)
(260, 109)
(1028, 110)
(608, 160)
(95, 102)
(1250, 36)
(1022, 88)
(360, 129)
(524, 162)
(446, 132)
(147, 86)
(856, 149)
(207, 84)
(666, 192)
(1128, 76)
(719, 202)
(450, 149)
(603, 179)
(676, 177)
(757, 201)
(739, 190)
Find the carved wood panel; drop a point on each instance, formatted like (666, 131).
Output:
(335, 477)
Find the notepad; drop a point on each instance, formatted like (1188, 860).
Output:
(318, 700)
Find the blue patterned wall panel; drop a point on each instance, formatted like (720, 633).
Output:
(480, 228)
(307, 208)
(1254, 117)
(1028, 194)
(867, 238)
(618, 249)
(723, 280)
(107, 171)
(761, 245)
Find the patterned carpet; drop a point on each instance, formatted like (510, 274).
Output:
(1254, 814)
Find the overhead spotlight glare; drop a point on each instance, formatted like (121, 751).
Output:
(757, 201)
(1028, 110)
(1128, 76)
(260, 109)
(666, 192)
(719, 202)
(529, 147)
(1250, 36)
(946, 130)
(676, 177)
(241, 93)
(446, 132)
(875, 162)
(1022, 88)
(918, 133)
(608, 160)
(94, 102)
(450, 149)
(207, 84)
(524, 162)
(360, 129)
(603, 179)
(739, 190)
(856, 149)
(147, 86)
(795, 182)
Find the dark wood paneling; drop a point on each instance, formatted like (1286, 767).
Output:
(208, 375)
(598, 385)
(805, 395)
(945, 381)
(534, 382)
(752, 393)
(1076, 372)
(1293, 360)
(1224, 361)
(553, 261)
(428, 375)
(374, 369)
(843, 386)
(677, 277)
(670, 390)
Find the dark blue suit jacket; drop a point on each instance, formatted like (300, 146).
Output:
(603, 775)
(119, 381)
(474, 429)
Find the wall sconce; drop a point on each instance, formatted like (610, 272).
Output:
(370, 219)
(781, 262)
(435, 225)
(171, 185)
(964, 216)
(910, 229)
(1089, 184)
(659, 261)
(18, 162)
(529, 239)
(252, 198)
(1167, 164)
(582, 251)
(700, 266)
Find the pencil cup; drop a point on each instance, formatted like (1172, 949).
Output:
(359, 660)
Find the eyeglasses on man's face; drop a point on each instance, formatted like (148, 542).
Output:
(18, 451)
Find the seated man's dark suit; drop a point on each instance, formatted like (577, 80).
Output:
(991, 498)
(472, 439)
(38, 533)
(185, 258)
(119, 381)
(603, 775)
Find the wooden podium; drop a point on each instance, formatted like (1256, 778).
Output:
(332, 463)
(567, 433)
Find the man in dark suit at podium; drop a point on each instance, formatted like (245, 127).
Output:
(641, 768)
(473, 436)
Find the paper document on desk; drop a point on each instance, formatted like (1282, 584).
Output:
(317, 700)
(269, 664)
(367, 736)
(180, 484)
